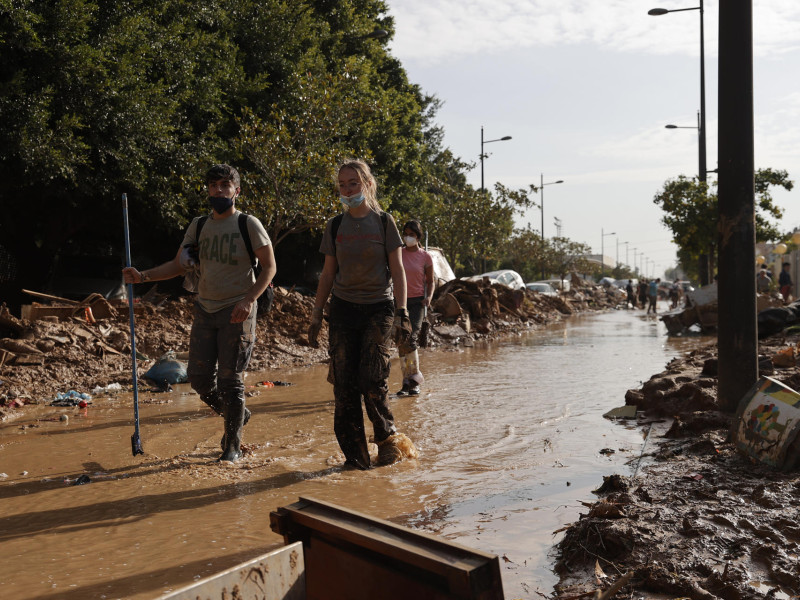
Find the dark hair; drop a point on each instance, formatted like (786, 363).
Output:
(414, 226)
(225, 173)
(787, 264)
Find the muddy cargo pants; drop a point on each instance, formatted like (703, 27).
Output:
(219, 352)
(359, 353)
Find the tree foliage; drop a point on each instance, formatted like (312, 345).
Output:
(691, 213)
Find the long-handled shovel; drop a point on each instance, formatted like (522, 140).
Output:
(136, 442)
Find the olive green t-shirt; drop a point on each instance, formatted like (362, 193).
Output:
(225, 271)
(361, 250)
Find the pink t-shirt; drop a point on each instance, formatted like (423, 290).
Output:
(414, 263)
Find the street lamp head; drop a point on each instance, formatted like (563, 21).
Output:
(377, 34)
(504, 138)
(671, 126)
(559, 181)
(657, 11)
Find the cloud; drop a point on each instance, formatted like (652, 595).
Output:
(435, 31)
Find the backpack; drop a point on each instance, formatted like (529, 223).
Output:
(245, 238)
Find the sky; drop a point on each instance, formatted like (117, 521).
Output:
(585, 89)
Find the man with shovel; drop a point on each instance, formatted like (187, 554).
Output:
(223, 247)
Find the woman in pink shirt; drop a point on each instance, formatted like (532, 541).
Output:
(419, 284)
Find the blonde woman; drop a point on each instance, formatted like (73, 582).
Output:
(364, 271)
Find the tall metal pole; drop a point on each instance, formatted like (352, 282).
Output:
(703, 170)
(541, 206)
(482, 158)
(737, 336)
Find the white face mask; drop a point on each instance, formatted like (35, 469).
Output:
(410, 240)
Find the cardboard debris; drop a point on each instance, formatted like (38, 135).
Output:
(622, 412)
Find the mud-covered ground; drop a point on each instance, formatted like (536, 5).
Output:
(698, 520)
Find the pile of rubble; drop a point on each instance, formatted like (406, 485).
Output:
(66, 345)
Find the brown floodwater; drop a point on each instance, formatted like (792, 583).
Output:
(509, 435)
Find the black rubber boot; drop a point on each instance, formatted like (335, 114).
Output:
(234, 421)
(214, 400)
(225, 435)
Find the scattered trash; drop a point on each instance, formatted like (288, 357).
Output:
(64, 418)
(110, 388)
(23, 473)
(72, 398)
(83, 479)
(786, 357)
(3, 475)
(167, 369)
(767, 423)
(694, 476)
(622, 412)
(607, 451)
(271, 383)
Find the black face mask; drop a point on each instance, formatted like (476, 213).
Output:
(220, 203)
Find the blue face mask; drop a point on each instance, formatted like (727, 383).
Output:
(352, 201)
(220, 203)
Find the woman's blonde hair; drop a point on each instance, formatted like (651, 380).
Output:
(368, 183)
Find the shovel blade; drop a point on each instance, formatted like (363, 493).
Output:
(136, 444)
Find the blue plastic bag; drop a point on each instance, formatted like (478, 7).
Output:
(167, 369)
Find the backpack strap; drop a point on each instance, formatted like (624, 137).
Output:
(248, 243)
(200, 222)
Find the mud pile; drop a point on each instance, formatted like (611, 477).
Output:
(80, 351)
(698, 519)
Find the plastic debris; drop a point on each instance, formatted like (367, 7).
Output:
(83, 479)
(111, 387)
(167, 369)
(72, 398)
(272, 383)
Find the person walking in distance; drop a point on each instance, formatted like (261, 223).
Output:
(652, 295)
(224, 324)
(418, 266)
(785, 281)
(364, 271)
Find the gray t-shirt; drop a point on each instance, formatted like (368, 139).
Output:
(361, 249)
(225, 271)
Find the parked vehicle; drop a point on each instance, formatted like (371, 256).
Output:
(505, 276)
(542, 287)
(442, 272)
(557, 284)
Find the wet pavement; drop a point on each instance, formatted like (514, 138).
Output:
(510, 438)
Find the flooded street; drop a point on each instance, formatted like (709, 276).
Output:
(509, 436)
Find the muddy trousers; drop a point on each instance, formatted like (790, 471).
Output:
(219, 352)
(359, 353)
(409, 362)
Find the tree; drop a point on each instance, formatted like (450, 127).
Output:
(691, 213)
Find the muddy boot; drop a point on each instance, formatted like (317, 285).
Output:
(222, 442)
(234, 421)
(388, 452)
(403, 391)
(413, 390)
(214, 400)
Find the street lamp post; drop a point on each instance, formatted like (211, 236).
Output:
(627, 256)
(702, 172)
(702, 123)
(541, 206)
(705, 267)
(502, 139)
(602, 252)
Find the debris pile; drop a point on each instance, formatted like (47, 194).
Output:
(699, 519)
(65, 345)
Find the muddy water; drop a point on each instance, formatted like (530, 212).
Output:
(509, 435)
